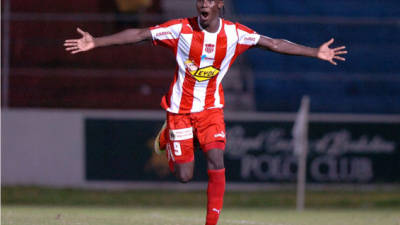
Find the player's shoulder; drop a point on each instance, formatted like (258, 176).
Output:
(228, 22)
(238, 26)
(173, 22)
(243, 28)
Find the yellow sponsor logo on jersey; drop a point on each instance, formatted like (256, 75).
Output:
(206, 73)
(202, 74)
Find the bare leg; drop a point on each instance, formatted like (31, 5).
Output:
(215, 159)
(184, 171)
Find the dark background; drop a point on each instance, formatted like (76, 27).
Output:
(42, 75)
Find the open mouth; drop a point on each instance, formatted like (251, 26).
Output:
(204, 15)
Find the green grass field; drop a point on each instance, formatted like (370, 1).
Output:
(43, 206)
(42, 215)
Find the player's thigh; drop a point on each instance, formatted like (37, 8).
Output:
(211, 130)
(180, 140)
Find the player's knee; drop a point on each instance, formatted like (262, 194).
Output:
(184, 176)
(216, 164)
(215, 159)
(184, 171)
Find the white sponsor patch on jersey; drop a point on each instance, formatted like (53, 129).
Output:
(181, 134)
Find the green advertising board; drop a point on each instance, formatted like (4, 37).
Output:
(256, 151)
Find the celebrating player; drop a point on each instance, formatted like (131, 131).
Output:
(205, 47)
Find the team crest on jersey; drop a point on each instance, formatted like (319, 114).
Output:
(210, 48)
(202, 74)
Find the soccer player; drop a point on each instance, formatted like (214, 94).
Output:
(205, 47)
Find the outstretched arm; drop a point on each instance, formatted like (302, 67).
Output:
(287, 47)
(88, 42)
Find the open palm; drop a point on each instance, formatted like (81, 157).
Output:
(330, 54)
(80, 45)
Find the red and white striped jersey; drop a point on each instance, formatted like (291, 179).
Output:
(203, 59)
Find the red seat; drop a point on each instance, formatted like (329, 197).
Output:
(40, 44)
(43, 74)
(70, 6)
(86, 89)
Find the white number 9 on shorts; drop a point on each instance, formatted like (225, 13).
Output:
(177, 149)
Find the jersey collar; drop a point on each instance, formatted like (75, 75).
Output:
(205, 31)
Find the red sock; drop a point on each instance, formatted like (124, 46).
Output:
(215, 195)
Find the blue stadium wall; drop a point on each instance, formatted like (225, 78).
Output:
(368, 82)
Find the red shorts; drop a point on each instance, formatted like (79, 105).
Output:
(208, 127)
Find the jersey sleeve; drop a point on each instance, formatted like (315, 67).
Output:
(247, 38)
(167, 34)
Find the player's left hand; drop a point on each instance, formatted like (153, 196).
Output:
(331, 54)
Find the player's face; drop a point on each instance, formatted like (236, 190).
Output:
(208, 10)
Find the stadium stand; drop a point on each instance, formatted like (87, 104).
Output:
(90, 89)
(365, 84)
(71, 6)
(43, 74)
(346, 8)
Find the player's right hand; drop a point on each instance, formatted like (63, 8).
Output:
(80, 45)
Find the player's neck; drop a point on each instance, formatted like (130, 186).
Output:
(213, 26)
